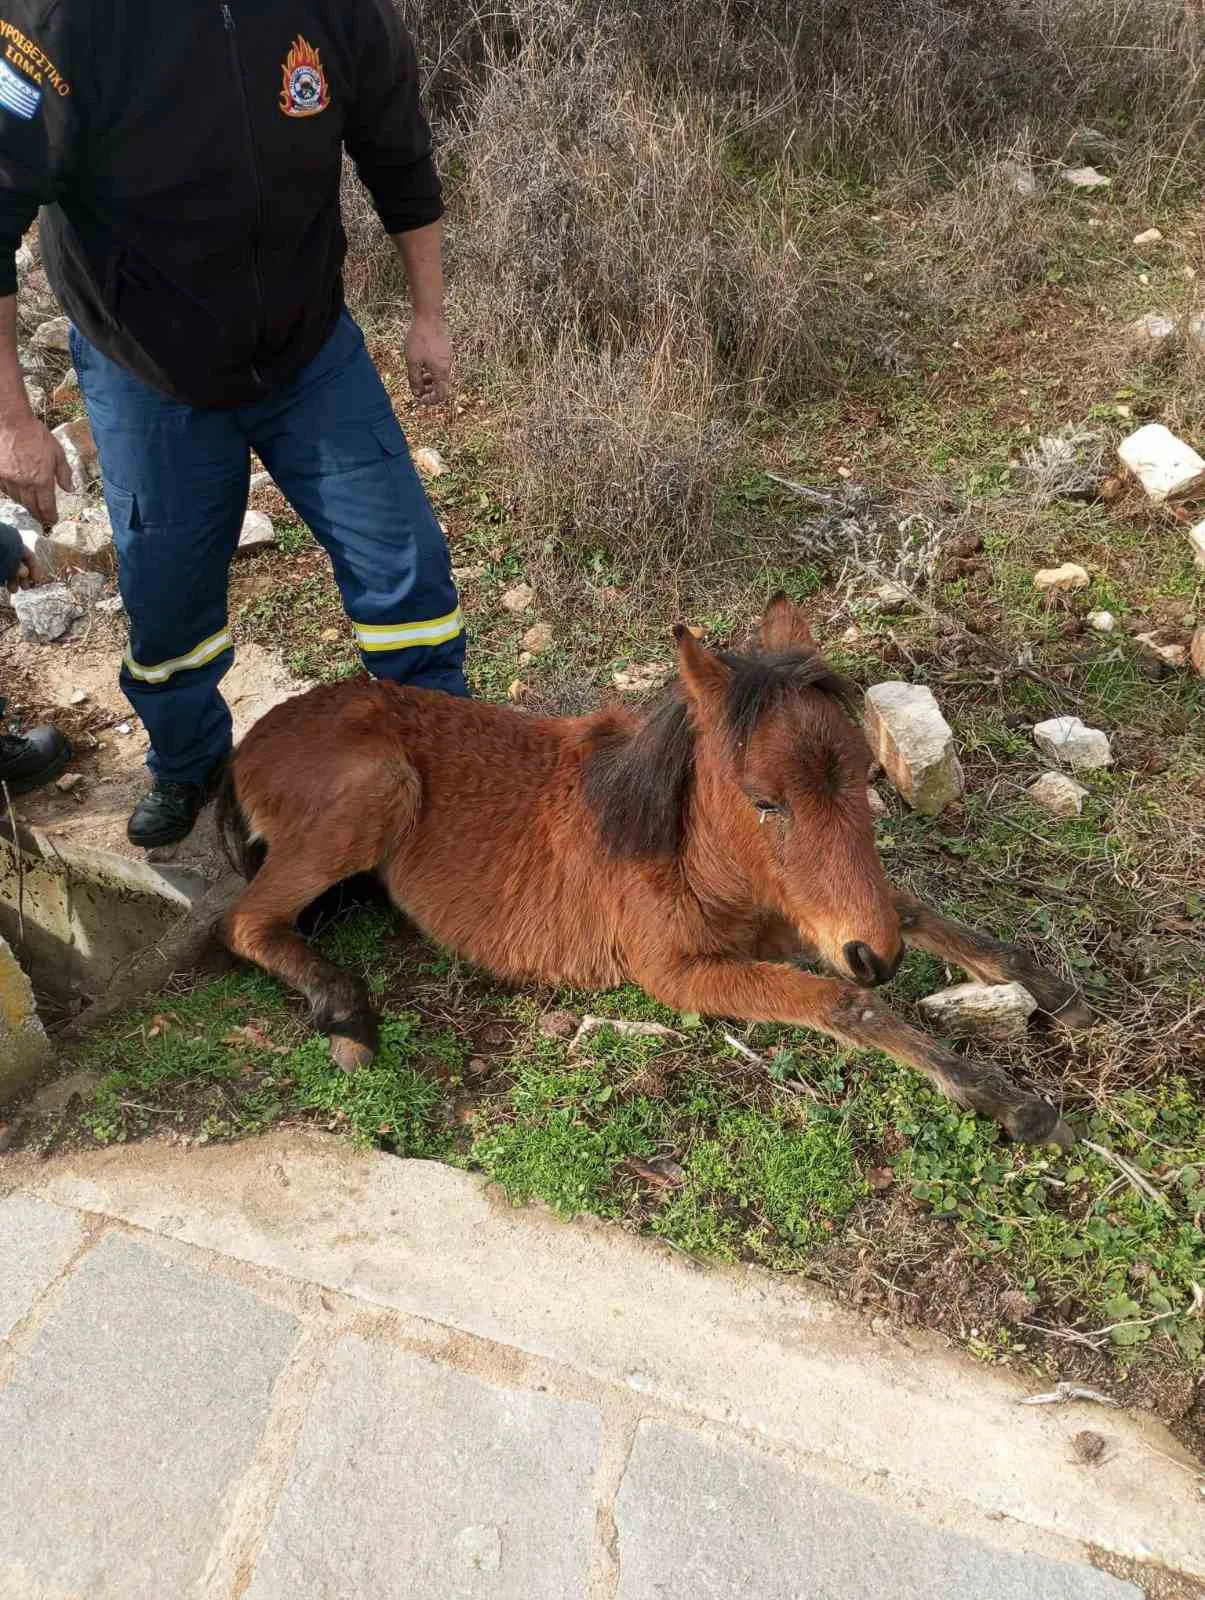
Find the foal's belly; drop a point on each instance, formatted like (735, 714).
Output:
(511, 929)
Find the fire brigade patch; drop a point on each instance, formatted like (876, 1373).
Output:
(305, 91)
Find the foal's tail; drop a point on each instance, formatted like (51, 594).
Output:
(245, 854)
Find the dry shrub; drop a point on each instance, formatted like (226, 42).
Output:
(863, 83)
(656, 226)
(619, 451)
(608, 215)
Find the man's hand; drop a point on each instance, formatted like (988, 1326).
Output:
(429, 361)
(30, 574)
(31, 463)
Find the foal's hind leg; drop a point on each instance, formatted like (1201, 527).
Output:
(259, 928)
(989, 960)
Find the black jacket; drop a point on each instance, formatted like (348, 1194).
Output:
(188, 153)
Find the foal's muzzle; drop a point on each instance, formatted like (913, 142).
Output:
(867, 966)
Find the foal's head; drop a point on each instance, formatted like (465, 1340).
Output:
(777, 749)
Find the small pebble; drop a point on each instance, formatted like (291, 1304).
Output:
(69, 781)
(430, 463)
(539, 638)
(518, 598)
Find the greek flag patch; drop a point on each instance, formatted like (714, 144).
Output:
(17, 94)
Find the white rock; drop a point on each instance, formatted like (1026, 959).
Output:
(1147, 236)
(124, 729)
(52, 335)
(1085, 178)
(80, 449)
(79, 698)
(981, 1010)
(1194, 332)
(47, 612)
(641, 676)
(430, 463)
(1153, 334)
(259, 480)
(915, 745)
(1072, 744)
(25, 259)
(1164, 465)
(1068, 576)
(36, 396)
(1102, 621)
(79, 542)
(15, 514)
(112, 607)
(1060, 795)
(87, 587)
(1196, 538)
(519, 598)
(257, 533)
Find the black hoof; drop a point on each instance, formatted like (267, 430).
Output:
(1037, 1122)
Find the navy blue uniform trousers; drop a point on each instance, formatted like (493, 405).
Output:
(176, 479)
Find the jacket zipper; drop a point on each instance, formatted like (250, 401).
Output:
(256, 265)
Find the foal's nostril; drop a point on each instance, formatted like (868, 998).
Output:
(865, 964)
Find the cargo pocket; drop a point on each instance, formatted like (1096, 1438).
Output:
(123, 511)
(388, 434)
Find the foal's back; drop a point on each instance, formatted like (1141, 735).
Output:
(472, 814)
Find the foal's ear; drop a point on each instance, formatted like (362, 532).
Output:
(784, 626)
(704, 674)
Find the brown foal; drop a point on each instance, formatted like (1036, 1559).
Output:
(703, 851)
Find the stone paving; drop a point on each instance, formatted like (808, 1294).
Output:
(258, 1372)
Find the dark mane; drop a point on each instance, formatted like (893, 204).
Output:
(760, 683)
(639, 783)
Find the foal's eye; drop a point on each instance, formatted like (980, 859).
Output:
(767, 808)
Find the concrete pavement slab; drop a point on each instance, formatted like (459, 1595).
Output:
(766, 1355)
(36, 1242)
(696, 1518)
(126, 1426)
(413, 1479)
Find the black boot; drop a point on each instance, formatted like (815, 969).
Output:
(29, 761)
(170, 811)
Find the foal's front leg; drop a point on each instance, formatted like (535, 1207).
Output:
(989, 960)
(763, 991)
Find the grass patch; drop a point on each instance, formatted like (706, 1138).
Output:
(782, 1165)
(231, 1059)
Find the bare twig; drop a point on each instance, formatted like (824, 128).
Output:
(742, 1049)
(1130, 1173)
(639, 1030)
(1064, 1392)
